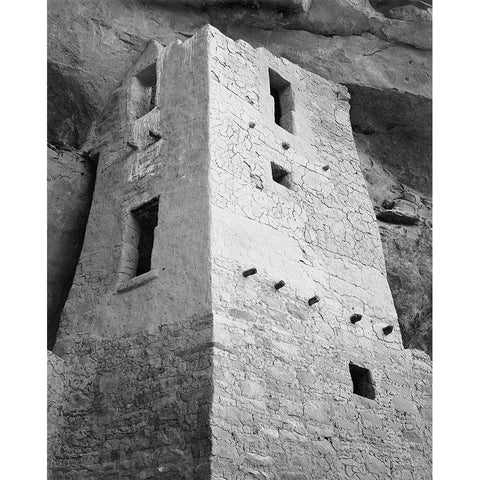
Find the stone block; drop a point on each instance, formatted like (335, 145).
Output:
(375, 466)
(306, 379)
(258, 459)
(405, 406)
(320, 412)
(281, 374)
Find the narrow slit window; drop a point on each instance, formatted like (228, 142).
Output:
(144, 220)
(144, 91)
(362, 381)
(281, 176)
(281, 92)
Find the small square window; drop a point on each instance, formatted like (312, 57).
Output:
(281, 176)
(144, 91)
(362, 381)
(139, 238)
(281, 92)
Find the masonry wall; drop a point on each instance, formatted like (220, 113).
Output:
(283, 405)
(138, 349)
(56, 400)
(192, 370)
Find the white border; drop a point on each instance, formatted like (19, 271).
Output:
(456, 239)
(24, 246)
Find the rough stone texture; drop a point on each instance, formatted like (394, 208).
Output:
(56, 401)
(283, 5)
(192, 370)
(394, 128)
(283, 404)
(92, 45)
(71, 180)
(393, 137)
(139, 350)
(409, 266)
(381, 46)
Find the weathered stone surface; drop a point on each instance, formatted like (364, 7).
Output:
(71, 179)
(139, 358)
(376, 467)
(394, 129)
(400, 212)
(411, 13)
(393, 137)
(56, 400)
(92, 44)
(283, 5)
(387, 48)
(409, 266)
(197, 371)
(405, 406)
(279, 220)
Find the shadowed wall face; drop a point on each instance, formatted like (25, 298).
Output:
(71, 182)
(135, 333)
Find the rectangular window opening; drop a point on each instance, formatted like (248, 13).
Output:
(145, 219)
(281, 92)
(362, 381)
(144, 91)
(281, 176)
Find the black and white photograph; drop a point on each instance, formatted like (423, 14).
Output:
(235, 242)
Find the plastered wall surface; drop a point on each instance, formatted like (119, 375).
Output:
(70, 183)
(283, 405)
(139, 386)
(192, 370)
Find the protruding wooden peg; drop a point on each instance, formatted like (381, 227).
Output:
(155, 133)
(133, 145)
(313, 300)
(326, 167)
(251, 124)
(356, 317)
(250, 271)
(285, 145)
(388, 329)
(279, 285)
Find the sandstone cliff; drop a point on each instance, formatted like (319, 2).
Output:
(379, 49)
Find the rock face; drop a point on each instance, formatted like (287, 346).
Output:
(93, 44)
(393, 134)
(380, 50)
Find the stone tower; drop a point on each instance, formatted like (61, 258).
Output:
(230, 316)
